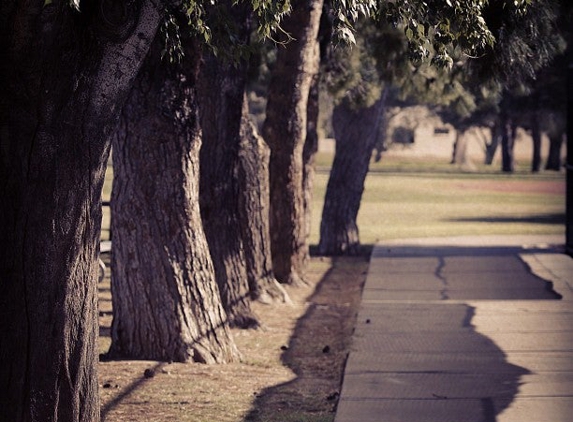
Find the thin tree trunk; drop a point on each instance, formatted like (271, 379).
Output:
(491, 147)
(355, 132)
(536, 137)
(460, 149)
(309, 153)
(285, 132)
(63, 79)
(554, 156)
(507, 143)
(166, 303)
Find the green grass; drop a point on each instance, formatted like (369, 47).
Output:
(427, 199)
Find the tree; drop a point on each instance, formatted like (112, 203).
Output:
(254, 215)
(166, 302)
(360, 95)
(527, 43)
(338, 228)
(239, 271)
(285, 132)
(222, 90)
(63, 77)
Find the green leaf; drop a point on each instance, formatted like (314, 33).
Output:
(409, 34)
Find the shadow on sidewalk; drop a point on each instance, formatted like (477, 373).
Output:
(417, 355)
(425, 362)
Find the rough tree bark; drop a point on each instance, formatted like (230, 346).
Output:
(166, 303)
(285, 132)
(254, 214)
(63, 79)
(355, 132)
(222, 88)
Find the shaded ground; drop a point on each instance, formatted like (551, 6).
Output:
(291, 369)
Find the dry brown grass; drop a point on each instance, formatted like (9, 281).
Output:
(291, 368)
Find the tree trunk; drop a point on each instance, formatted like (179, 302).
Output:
(491, 147)
(554, 156)
(166, 303)
(536, 138)
(254, 214)
(459, 155)
(222, 91)
(64, 77)
(355, 132)
(507, 143)
(309, 152)
(285, 132)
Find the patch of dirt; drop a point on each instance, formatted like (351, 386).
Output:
(291, 369)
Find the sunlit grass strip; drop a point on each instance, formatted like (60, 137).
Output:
(402, 205)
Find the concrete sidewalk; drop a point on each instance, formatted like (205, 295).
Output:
(466, 329)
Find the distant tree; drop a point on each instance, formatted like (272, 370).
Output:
(363, 81)
(543, 111)
(527, 43)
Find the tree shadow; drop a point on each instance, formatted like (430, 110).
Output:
(416, 352)
(129, 389)
(418, 359)
(425, 362)
(317, 350)
(555, 218)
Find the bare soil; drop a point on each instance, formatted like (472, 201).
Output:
(291, 369)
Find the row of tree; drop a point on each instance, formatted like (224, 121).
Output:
(193, 244)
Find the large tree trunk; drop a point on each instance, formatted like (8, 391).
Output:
(285, 132)
(254, 214)
(355, 132)
(64, 77)
(554, 161)
(166, 303)
(222, 90)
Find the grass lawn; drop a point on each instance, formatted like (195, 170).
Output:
(428, 198)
